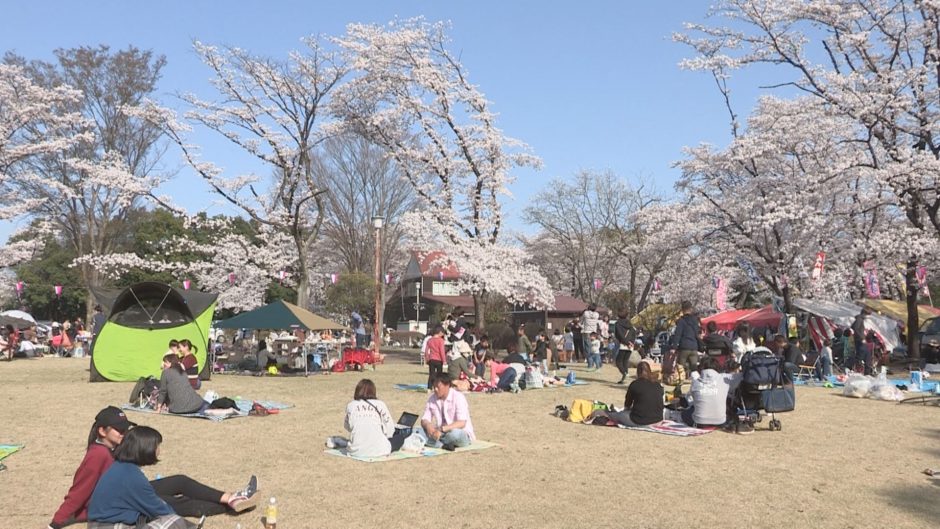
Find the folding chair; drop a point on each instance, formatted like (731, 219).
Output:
(808, 370)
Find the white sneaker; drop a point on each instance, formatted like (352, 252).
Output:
(330, 443)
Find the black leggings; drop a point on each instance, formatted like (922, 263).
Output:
(434, 368)
(623, 361)
(578, 348)
(188, 497)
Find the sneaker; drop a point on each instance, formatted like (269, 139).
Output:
(329, 443)
(744, 428)
(252, 486)
(239, 502)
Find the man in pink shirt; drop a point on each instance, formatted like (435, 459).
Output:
(446, 420)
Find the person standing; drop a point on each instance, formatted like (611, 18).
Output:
(97, 322)
(624, 334)
(858, 333)
(590, 323)
(436, 355)
(359, 327)
(685, 339)
(578, 338)
(523, 344)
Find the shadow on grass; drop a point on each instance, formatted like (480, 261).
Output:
(918, 500)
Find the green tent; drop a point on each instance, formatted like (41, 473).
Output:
(142, 319)
(280, 315)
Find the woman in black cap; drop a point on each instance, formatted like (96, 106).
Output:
(186, 496)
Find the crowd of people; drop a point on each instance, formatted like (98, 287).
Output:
(66, 338)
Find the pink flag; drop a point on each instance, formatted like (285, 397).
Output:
(440, 275)
(282, 274)
(58, 290)
(598, 284)
(657, 286)
(388, 279)
(186, 284)
(334, 278)
(19, 287)
(231, 278)
(721, 293)
(872, 288)
(818, 265)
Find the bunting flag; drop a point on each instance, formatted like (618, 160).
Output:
(657, 286)
(58, 290)
(334, 278)
(818, 266)
(921, 273)
(749, 271)
(872, 288)
(388, 279)
(19, 289)
(440, 275)
(186, 284)
(231, 278)
(598, 284)
(721, 293)
(282, 275)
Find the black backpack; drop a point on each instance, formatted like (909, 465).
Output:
(145, 392)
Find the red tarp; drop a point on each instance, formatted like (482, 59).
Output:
(765, 317)
(728, 320)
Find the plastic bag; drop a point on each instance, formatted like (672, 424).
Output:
(886, 392)
(857, 386)
(414, 443)
(533, 378)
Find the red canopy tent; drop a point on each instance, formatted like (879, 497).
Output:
(765, 317)
(728, 320)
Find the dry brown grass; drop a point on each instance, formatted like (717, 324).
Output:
(837, 463)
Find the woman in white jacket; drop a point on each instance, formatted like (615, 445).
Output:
(370, 425)
(743, 343)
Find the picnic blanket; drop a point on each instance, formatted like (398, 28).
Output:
(243, 407)
(8, 450)
(565, 385)
(673, 428)
(427, 452)
(925, 386)
(249, 373)
(423, 388)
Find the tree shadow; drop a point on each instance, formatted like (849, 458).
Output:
(919, 500)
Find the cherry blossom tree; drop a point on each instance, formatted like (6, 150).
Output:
(72, 156)
(875, 62)
(412, 97)
(276, 111)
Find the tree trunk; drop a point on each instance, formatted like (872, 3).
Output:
(478, 311)
(913, 318)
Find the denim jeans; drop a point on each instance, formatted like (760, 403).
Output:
(456, 437)
(586, 341)
(594, 359)
(825, 368)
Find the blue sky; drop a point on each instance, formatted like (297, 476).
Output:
(590, 85)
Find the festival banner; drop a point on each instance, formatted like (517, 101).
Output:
(872, 288)
(721, 293)
(818, 266)
(749, 271)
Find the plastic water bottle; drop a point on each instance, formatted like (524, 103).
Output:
(270, 514)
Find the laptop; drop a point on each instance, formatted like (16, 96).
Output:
(406, 421)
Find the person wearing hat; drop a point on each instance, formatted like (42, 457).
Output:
(187, 496)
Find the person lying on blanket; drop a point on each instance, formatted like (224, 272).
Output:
(643, 404)
(185, 495)
(710, 390)
(369, 423)
(446, 420)
(504, 376)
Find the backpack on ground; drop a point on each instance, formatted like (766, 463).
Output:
(145, 392)
(580, 410)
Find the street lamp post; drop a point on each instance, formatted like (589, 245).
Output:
(377, 222)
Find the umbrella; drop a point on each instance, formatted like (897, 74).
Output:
(17, 318)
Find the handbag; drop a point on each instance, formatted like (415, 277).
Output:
(778, 399)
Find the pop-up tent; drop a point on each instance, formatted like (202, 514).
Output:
(842, 314)
(142, 319)
(280, 315)
(729, 319)
(897, 310)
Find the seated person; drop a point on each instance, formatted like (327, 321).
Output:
(187, 352)
(643, 404)
(459, 367)
(446, 420)
(370, 426)
(503, 375)
(480, 350)
(8, 342)
(716, 344)
(265, 358)
(710, 390)
(185, 495)
(176, 394)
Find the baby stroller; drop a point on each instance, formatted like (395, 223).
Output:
(764, 386)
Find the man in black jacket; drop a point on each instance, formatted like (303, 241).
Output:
(685, 338)
(625, 335)
(716, 344)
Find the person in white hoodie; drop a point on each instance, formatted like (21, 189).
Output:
(370, 425)
(710, 390)
(743, 343)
